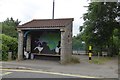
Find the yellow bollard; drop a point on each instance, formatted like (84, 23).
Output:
(90, 47)
(90, 53)
(90, 56)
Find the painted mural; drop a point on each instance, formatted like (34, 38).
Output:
(46, 42)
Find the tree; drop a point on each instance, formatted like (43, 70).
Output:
(100, 23)
(77, 43)
(9, 27)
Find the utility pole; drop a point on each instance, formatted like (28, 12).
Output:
(53, 9)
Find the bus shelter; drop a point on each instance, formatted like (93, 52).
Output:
(49, 36)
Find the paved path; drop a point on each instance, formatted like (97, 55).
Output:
(107, 70)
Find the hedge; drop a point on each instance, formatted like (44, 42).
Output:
(8, 44)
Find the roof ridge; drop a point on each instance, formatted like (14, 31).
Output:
(53, 19)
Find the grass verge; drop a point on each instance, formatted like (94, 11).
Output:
(100, 60)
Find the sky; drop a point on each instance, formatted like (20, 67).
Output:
(27, 10)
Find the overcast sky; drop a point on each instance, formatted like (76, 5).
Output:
(26, 10)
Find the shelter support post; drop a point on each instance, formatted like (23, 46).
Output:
(28, 46)
(20, 45)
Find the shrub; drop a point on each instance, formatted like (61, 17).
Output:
(8, 44)
(4, 50)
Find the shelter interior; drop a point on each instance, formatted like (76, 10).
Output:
(44, 41)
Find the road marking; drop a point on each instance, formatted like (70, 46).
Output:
(6, 73)
(47, 72)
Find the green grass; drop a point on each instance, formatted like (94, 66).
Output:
(100, 60)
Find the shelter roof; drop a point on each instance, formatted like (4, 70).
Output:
(43, 23)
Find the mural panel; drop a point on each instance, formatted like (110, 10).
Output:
(46, 42)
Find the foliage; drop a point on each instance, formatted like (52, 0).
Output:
(9, 31)
(9, 27)
(100, 24)
(4, 55)
(8, 44)
(77, 43)
(0, 27)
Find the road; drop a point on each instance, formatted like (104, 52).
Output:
(53, 69)
(11, 74)
(14, 73)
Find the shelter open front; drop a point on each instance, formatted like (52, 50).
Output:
(46, 41)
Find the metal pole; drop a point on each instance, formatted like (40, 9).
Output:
(53, 9)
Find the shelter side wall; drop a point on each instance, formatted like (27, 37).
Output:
(69, 40)
(66, 44)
